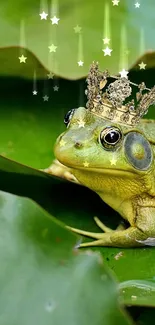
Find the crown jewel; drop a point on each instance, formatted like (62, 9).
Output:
(111, 104)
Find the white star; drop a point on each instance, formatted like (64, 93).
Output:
(106, 40)
(115, 2)
(81, 123)
(50, 75)
(142, 65)
(22, 59)
(52, 48)
(55, 20)
(80, 63)
(127, 52)
(43, 15)
(107, 51)
(56, 88)
(77, 29)
(62, 143)
(45, 98)
(35, 92)
(137, 5)
(113, 161)
(86, 164)
(124, 73)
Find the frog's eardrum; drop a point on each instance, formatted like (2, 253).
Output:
(138, 150)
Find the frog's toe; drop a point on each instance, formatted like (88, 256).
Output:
(86, 233)
(104, 241)
(101, 225)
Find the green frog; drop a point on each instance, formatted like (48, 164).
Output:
(117, 162)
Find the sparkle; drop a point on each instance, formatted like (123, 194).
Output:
(43, 15)
(142, 65)
(62, 143)
(137, 5)
(50, 75)
(35, 92)
(52, 48)
(113, 161)
(56, 88)
(81, 123)
(55, 20)
(80, 63)
(77, 29)
(22, 59)
(115, 2)
(86, 164)
(106, 40)
(127, 52)
(107, 51)
(124, 73)
(45, 98)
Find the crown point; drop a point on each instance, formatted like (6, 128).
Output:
(111, 104)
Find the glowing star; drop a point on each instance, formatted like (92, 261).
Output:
(115, 2)
(55, 20)
(107, 51)
(52, 48)
(124, 73)
(127, 52)
(22, 59)
(35, 92)
(43, 15)
(106, 40)
(56, 88)
(45, 98)
(50, 75)
(137, 5)
(81, 123)
(142, 65)
(86, 164)
(113, 161)
(77, 29)
(80, 63)
(62, 143)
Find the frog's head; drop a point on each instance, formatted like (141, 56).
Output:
(92, 144)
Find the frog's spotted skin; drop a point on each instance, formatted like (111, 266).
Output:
(117, 162)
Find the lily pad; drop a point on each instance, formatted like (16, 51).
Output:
(61, 199)
(43, 278)
(122, 24)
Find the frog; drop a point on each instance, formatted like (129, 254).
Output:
(117, 162)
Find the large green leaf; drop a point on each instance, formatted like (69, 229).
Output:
(122, 24)
(44, 279)
(61, 199)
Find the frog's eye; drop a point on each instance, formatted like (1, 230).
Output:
(68, 117)
(138, 151)
(110, 137)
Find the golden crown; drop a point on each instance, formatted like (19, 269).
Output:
(111, 104)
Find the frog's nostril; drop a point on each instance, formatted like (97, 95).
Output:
(78, 144)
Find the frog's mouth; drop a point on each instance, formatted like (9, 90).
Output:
(107, 171)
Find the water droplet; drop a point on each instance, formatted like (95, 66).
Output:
(77, 245)
(44, 232)
(103, 277)
(50, 306)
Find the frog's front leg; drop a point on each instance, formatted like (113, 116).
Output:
(140, 233)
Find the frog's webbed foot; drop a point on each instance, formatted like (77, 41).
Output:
(121, 237)
(99, 236)
(57, 169)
